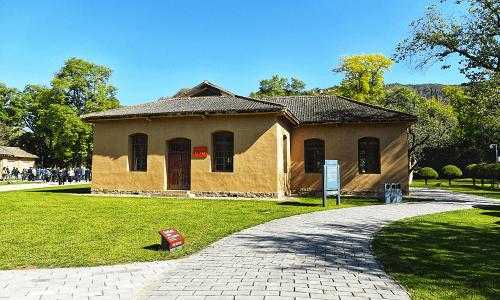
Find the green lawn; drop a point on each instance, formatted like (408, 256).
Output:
(463, 185)
(56, 228)
(452, 255)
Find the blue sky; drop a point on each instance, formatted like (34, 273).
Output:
(157, 47)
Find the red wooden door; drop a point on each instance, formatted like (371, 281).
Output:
(179, 164)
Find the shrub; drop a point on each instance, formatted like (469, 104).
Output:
(471, 171)
(427, 173)
(451, 172)
(482, 172)
(492, 171)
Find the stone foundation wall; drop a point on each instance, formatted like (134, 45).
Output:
(238, 194)
(185, 194)
(318, 193)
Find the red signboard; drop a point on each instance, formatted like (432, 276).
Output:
(171, 239)
(200, 152)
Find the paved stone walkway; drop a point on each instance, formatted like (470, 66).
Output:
(107, 282)
(36, 185)
(322, 255)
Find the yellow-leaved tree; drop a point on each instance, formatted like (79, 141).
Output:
(364, 77)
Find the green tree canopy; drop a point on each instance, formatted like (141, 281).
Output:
(451, 172)
(279, 86)
(474, 36)
(428, 173)
(478, 111)
(85, 86)
(11, 114)
(50, 116)
(436, 121)
(364, 76)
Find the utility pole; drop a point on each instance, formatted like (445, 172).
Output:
(495, 146)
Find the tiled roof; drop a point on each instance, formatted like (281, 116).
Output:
(337, 109)
(208, 98)
(15, 152)
(189, 106)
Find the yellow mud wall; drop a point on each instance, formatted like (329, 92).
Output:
(341, 143)
(255, 153)
(19, 163)
(283, 129)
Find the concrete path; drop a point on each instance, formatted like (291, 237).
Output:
(322, 255)
(36, 185)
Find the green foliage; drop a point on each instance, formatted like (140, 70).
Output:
(436, 121)
(451, 172)
(85, 86)
(492, 171)
(364, 76)
(471, 170)
(11, 114)
(428, 173)
(279, 86)
(473, 36)
(478, 107)
(51, 114)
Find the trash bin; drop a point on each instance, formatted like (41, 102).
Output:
(393, 193)
(399, 193)
(387, 192)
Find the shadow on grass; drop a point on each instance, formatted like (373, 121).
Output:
(69, 190)
(154, 247)
(297, 203)
(444, 259)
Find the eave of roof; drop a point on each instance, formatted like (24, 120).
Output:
(15, 152)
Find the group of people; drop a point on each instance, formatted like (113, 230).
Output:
(56, 174)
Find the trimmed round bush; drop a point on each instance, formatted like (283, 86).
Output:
(428, 173)
(492, 172)
(482, 172)
(451, 172)
(471, 171)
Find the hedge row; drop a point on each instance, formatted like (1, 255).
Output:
(483, 171)
(480, 171)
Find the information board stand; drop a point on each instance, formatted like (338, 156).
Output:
(331, 180)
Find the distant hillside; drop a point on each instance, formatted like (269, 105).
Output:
(427, 90)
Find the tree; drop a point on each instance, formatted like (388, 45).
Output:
(451, 172)
(478, 112)
(11, 121)
(474, 37)
(50, 115)
(279, 86)
(181, 93)
(364, 76)
(85, 86)
(428, 173)
(436, 122)
(471, 171)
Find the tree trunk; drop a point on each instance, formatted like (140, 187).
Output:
(425, 181)
(412, 163)
(473, 181)
(449, 181)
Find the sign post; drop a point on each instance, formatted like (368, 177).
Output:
(331, 180)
